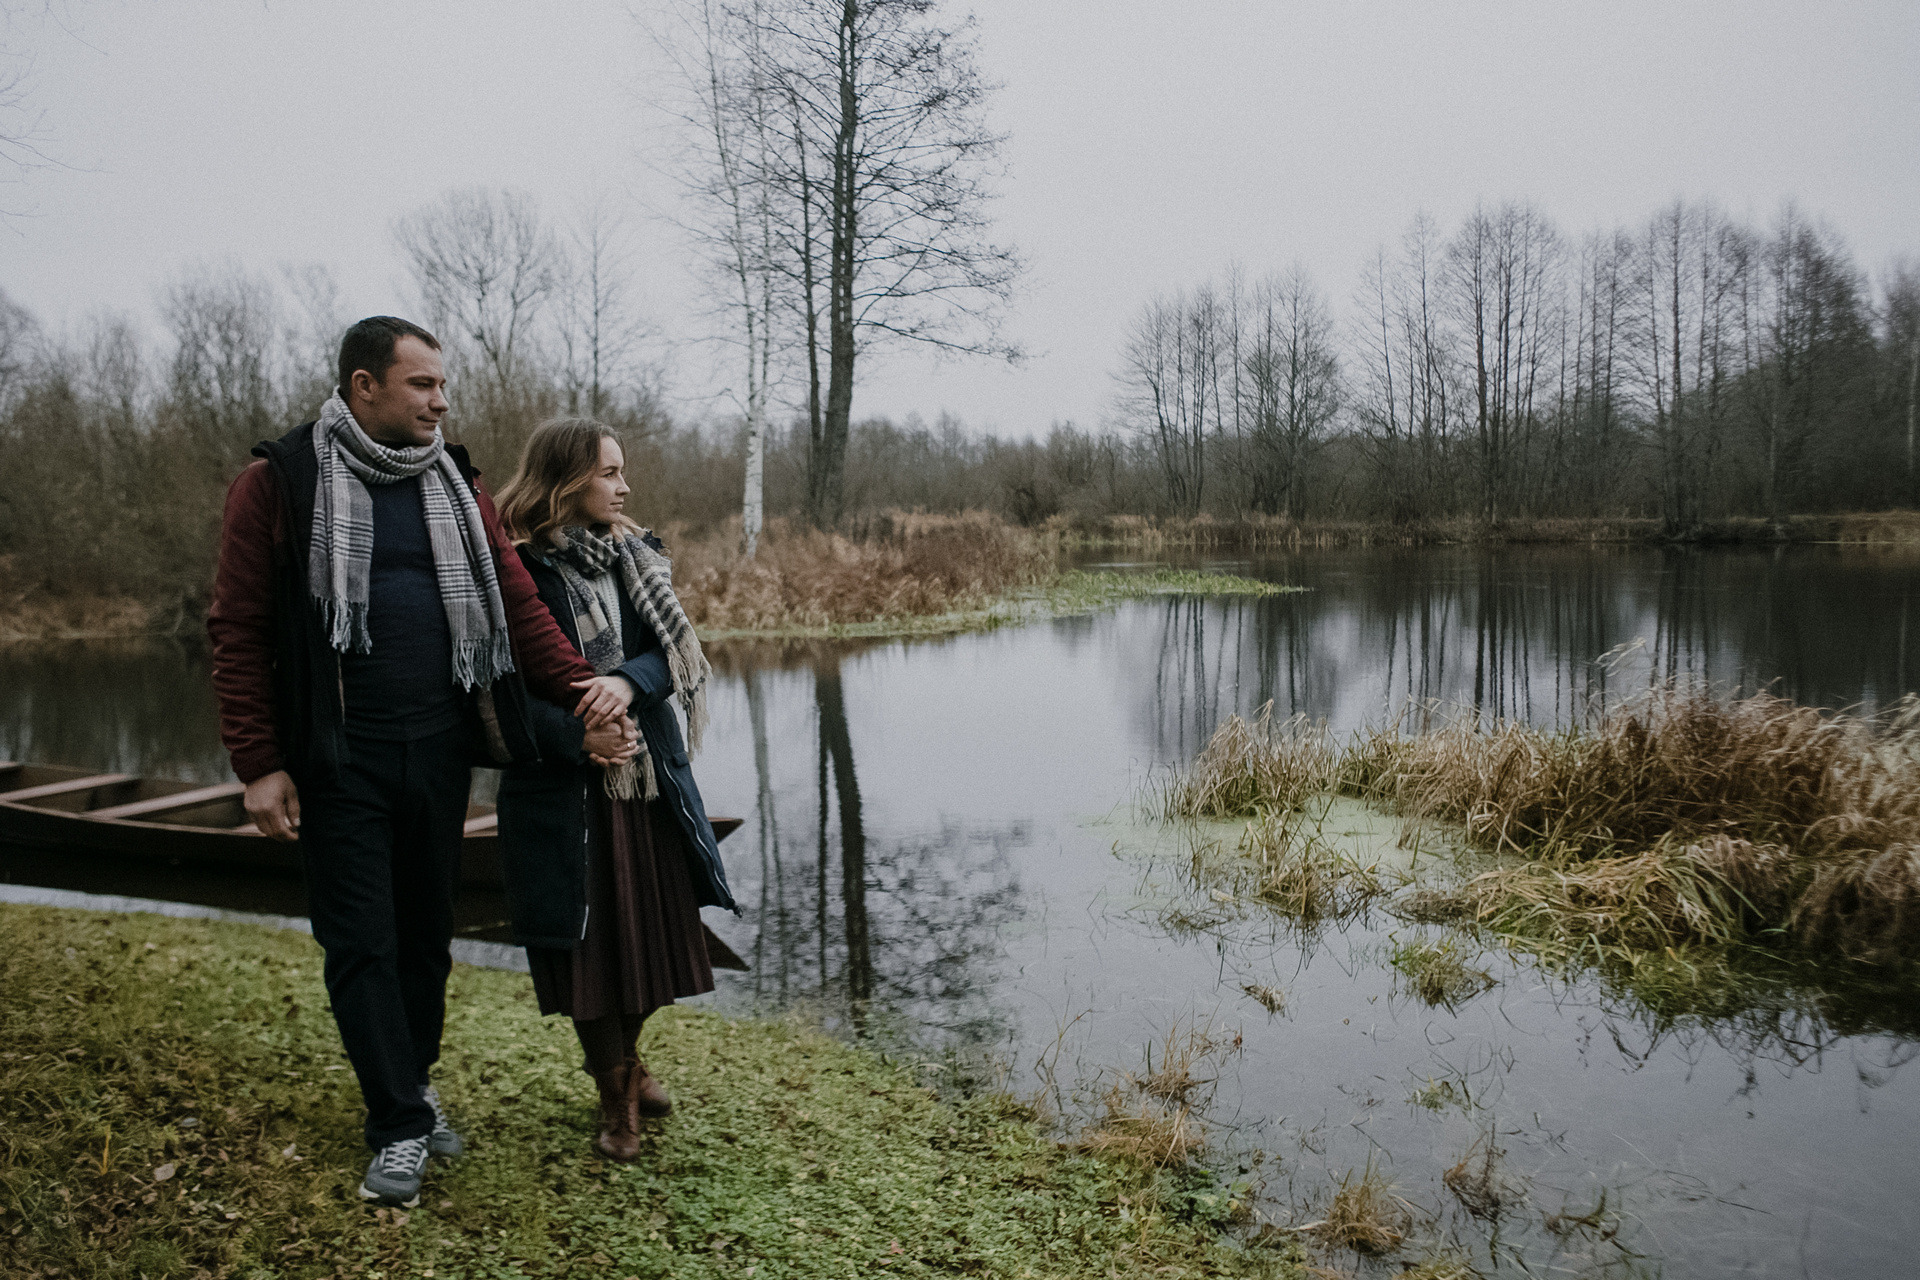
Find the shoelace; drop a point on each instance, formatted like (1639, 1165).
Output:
(403, 1156)
(440, 1122)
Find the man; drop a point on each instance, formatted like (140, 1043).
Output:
(370, 629)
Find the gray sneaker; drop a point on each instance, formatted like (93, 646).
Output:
(394, 1175)
(443, 1141)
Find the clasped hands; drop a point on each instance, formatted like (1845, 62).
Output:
(611, 738)
(613, 743)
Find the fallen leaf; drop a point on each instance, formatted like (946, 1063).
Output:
(162, 1172)
(287, 1151)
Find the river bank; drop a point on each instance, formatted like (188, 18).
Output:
(1279, 533)
(904, 574)
(176, 1104)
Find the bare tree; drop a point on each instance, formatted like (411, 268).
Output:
(1602, 302)
(1502, 270)
(1168, 390)
(892, 102)
(486, 266)
(220, 388)
(1689, 278)
(18, 333)
(23, 127)
(314, 324)
(1813, 329)
(1292, 384)
(599, 326)
(1404, 398)
(1902, 321)
(739, 167)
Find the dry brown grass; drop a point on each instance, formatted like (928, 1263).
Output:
(1154, 1117)
(88, 617)
(1678, 818)
(1252, 767)
(900, 566)
(1300, 874)
(1365, 1215)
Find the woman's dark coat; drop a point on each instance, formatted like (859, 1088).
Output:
(543, 807)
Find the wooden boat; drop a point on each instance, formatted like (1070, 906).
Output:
(77, 811)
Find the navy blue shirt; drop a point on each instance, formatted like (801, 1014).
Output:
(404, 689)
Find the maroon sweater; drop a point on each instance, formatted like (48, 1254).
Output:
(240, 622)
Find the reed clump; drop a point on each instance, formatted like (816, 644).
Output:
(1365, 1215)
(1677, 818)
(1252, 767)
(1437, 973)
(1154, 1117)
(899, 566)
(1301, 874)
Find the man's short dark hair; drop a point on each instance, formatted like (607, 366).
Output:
(369, 345)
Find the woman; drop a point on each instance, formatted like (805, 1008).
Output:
(605, 842)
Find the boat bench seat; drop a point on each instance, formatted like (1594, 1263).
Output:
(178, 800)
(71, 785)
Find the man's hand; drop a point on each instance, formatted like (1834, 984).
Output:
(273, 802)
(613, 743)
(606, 698)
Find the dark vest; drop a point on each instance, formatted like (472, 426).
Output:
(309, 715)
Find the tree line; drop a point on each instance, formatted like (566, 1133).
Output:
(1692, 367)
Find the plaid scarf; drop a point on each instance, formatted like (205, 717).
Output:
(341, 552)
(581, 556)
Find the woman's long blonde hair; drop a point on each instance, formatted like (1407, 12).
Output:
(559, 462)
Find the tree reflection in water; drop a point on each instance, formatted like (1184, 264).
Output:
(1538, 634)
(890, 937)
(125, 706)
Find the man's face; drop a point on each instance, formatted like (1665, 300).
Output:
(405, 407)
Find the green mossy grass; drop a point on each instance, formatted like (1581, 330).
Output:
(174, 1102)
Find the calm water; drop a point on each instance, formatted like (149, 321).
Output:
(938, 853)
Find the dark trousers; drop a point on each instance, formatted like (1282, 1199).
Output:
(381, 846)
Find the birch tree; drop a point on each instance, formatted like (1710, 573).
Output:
(735, 169)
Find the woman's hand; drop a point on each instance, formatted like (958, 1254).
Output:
(615, 742)
(605, 700)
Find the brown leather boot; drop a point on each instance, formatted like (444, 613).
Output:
(619, 1136)
(649, 1095)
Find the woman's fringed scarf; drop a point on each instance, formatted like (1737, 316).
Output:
(582, 555)
(341, 553)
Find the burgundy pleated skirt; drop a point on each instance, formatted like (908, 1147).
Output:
(644, 946)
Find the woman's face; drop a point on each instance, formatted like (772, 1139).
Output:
(606, 494)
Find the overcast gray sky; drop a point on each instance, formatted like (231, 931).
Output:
(1150, 143)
